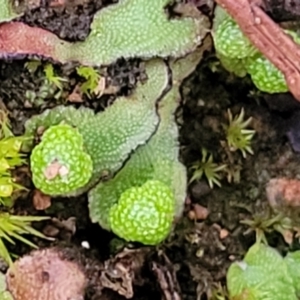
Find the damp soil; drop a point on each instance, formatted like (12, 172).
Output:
(194, 260)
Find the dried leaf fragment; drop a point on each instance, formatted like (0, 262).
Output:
(165, 273)
(121, 272)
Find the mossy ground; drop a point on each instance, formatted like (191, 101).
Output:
(196, 255)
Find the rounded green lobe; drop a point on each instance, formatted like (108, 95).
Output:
(233, 65)
(230, 41)
(266, 76)
(59, 163)
(292, 261)
(138, 28)
(262, 275)
(239, 56)
(144, 214)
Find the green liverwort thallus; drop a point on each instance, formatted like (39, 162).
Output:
(144, 214)
(59, 163)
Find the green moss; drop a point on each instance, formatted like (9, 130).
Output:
(10, 157)
(135, 141)
(91, 77)
(126, 29)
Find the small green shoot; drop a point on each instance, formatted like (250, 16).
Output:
(238, 137)
(51, 86)
(32, 65)
(4, 293)
(14, 227)
(5, 127)
(46, 91)
(208, 168)
(219, 293)
(92, 78)
(262, 224)
(52, 77)
(10, 157)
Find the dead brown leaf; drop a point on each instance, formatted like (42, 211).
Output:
(122, 271)
(165, 272)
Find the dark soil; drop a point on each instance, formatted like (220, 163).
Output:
(195, 259)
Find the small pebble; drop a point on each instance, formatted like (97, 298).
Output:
(200, 253)
(40, 200)
(192, 215)
(198, 212)
(231, 257)
(85, 245)
(51, 231)
(223, 234)
(200, 189)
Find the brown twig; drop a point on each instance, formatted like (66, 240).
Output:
(268, 38)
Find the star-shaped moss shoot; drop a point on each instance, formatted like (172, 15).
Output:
(46, 275)
(144, 214)
(59, 164)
